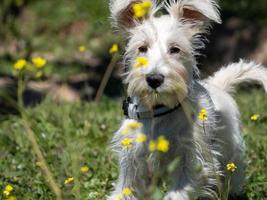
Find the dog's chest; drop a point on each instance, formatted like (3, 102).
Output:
(172, 126)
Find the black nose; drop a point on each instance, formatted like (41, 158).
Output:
(154, 80)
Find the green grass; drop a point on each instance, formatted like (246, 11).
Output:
(55, 29)
(74, 135)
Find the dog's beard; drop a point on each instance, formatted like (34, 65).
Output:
(172, 92)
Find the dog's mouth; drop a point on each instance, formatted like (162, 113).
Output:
(155, 98)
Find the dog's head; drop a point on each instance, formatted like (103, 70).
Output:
(164, 45)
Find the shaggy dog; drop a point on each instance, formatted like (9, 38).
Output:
(178, 128)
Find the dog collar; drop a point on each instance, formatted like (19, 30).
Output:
(134, 110)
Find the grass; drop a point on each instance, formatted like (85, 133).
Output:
(75, 135)
(55, 30)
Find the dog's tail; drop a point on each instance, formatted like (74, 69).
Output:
(232, 75)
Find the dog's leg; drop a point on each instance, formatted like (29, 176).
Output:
(132, 166)
(132, 176)
(197, 176)
(195, 184)
(182, 188)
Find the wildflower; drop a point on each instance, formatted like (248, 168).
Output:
(163, 144)
(114, 48)
(11, 198)
(203, 115)
(20, 64)
(119, 197)
(134, 125)
(39, 62)
(69, 180)
(231, 167)
(141, 62)
(255, 117)
(141, 9)
(39, 74)
(82, 49)
(152, 145)
(127, 192)
(84, 169)
(127, 142)
(8, 189)
(141, 138)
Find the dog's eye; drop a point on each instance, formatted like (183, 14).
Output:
(174, 50)
(143, 49)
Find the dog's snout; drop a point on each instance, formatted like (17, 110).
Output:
(154, 80)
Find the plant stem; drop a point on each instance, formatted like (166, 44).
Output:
(36, 149)
(106, 78)
(20, 90)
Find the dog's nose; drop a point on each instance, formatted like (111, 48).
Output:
(154, 80)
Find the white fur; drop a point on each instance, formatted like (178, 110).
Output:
(210, 144)
(228, 77)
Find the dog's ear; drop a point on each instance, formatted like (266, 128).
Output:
(197, 12)
(122, 13)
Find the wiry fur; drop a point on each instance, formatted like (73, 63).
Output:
(229, 77)
(210, 144)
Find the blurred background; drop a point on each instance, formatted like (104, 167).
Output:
(65, 133)
(75, 36)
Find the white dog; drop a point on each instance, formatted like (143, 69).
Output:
(196, 121)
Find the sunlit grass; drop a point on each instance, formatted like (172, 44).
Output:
(74, 135)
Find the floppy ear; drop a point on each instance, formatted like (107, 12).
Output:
(198, 12)
(122, 13)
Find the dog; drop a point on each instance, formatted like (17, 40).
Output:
(172, 117)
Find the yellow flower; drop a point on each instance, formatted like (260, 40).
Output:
(6, 193)
(114, 48)
(141, 138)
(84, 169)
(20, 64)
(203, 115)
(152, 145)
(11, 198)
(8, 189)
(163, 144)
(82, 49)
(134, 125)
(141, 62)
(127, 192)
(119, 197)
(231, 167)
(255, 117)
(39, 74)
(127, 142)
(39, 62)
(141, 9)
(69, 180)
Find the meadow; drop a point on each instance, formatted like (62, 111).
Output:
(60, 150)
(74, 136)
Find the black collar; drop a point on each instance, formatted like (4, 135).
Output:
(133, 111)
